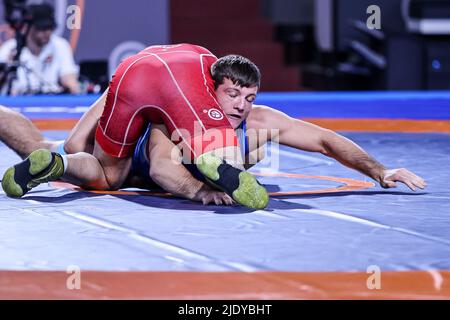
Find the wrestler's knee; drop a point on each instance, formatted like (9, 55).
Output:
(114, 178)
(108, 182)
(116, 172)
(72, 146)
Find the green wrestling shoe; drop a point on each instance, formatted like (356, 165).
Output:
(240, 185)
(40, 166)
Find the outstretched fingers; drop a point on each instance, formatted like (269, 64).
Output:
(405, 176)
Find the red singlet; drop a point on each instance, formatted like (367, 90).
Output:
(164, 84)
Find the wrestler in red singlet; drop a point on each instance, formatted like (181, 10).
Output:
(163, 84)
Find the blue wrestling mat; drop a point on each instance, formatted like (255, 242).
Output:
(314, 221)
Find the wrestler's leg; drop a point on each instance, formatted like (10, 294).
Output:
(23, 137)
(20, 134)
(82, 168)
(99, 171)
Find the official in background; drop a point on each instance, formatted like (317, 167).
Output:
(46, 62)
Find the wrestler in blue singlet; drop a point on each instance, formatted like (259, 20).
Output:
(141, 165)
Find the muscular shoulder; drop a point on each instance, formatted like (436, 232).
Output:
(264, 117)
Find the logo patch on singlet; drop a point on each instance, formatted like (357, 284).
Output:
(215, 114)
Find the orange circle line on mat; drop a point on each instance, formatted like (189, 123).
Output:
(353, 125)
(349, 185)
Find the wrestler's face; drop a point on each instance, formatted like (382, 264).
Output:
(235, 101)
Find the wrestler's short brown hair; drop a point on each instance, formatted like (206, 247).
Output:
(240, 70)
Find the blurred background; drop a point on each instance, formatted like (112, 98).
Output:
(299, 45)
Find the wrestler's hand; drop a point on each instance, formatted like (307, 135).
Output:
(390, 177)
(217, 197)
(207, 195)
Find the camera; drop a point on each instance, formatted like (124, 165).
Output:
(17, 13)
(18, 16)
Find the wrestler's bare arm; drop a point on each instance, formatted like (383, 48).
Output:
(167, 171)
(309, 137)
